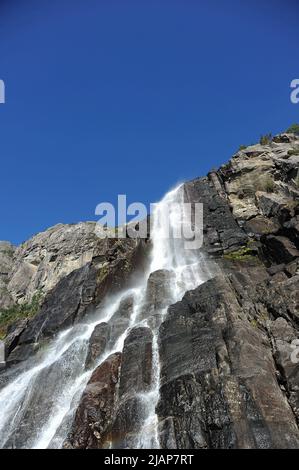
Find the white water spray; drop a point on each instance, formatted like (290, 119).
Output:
(37, 407)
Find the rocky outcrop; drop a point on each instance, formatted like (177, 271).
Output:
(110, 410)
(227, 375)
(158, 296)
(222, 381)
(97, 344)
(106, 266)
(6, 264)
(135, 379)
(228, 379)
(40, 263)
(261, 184)
(229, 367)
(222, 233)
(91, 428)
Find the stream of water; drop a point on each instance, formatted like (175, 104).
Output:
(37, 407)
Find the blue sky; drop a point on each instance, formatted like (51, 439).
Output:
(129, 97)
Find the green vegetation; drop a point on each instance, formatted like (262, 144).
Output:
(293, 152)
(242, 147)
(266, 139)
(260, 321)
(264, 183)
(103, 272)
(243, 254)
(293, 129)
(269, 184)
(10, 315)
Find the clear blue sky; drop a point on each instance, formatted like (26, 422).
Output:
(111, 97)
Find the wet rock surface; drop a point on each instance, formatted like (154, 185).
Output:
(228, 379)
(229, 367)
(92, 423)
(97, 344)
(121, 319)
(221, 380)
(80, 292)
(158, 295)
(135, 380)
(111, 409)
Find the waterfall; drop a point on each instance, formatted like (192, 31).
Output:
(37, 406)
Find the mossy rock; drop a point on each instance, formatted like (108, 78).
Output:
(245, 253)
(10, 315)
(103, 273)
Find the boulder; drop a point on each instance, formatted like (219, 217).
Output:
(275, 205)
(279, 249)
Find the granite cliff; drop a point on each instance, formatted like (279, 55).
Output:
(226, 374)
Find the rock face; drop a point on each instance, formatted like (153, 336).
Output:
(109, 410)
(222, 384)
(228, 350)
(48, 257)
(95, 412)
(228, 379)
(6, 264)
(222, 233)
(135, 378)
(97, 344)
(73, 270)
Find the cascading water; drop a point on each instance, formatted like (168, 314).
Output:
(37, 407)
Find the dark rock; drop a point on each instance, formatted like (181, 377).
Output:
(121, 319)
(61, 305)
(228, 374)
(135, 380)
(13, 335)
(274, 205)
(282, 300)
(21, 353)
(91, 427)
(219, 385)
(283, 138)
(276, 268)
(220, 225)
(83, 289)
(127, 425)
(278, 277)
(279, 249)
(283, 336)
(291, 228)
(159, 289)
(97, 344)
(136, 365)
(158, 295)
(292, 268)
(261, 225)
